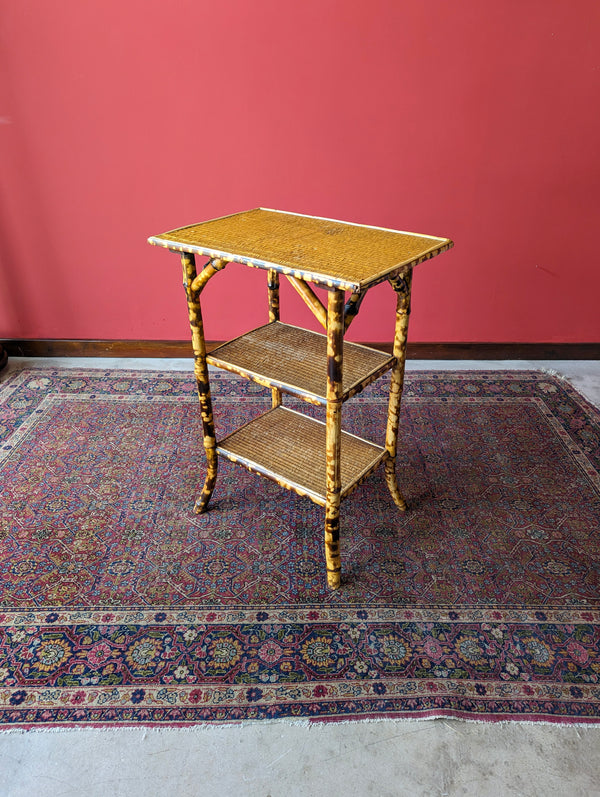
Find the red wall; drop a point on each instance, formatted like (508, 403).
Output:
(469, 119)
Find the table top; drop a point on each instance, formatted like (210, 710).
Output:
(329, 253)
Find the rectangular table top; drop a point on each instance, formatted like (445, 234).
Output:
(330, 253)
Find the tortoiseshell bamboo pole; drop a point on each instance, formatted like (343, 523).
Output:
(401, 283)
(335, 354)
(190, 279)
(273, 287)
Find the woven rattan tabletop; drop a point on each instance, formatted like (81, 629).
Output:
(324, 251)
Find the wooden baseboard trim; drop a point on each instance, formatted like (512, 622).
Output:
(416, 351)
(503, 351)
(99, 348)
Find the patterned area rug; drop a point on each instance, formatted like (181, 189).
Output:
(119, 606)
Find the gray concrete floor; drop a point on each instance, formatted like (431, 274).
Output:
(435, 757)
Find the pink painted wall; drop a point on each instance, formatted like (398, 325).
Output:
(476, 120)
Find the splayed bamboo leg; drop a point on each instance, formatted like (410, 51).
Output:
(273, 286)
(201, 373)
(401, 284)
(335, 344)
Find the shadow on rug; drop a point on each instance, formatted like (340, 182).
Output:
(120, 606)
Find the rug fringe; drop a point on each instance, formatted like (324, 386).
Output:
(310, 725)
(555, 374)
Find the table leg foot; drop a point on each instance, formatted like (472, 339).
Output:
(392, 483)
(201, 504)
(333, 560)
(333, 579)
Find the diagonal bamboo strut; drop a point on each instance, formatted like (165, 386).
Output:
(351, 309)
(209, 270)
(311, 299)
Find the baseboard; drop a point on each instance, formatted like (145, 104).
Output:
(100, 348)
(416, 351)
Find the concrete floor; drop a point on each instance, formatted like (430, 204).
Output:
(436, 757)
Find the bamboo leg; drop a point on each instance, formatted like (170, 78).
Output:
(401, 284)
(335, 344)
(273, 286)
(201, 373)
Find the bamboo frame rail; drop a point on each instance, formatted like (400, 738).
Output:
(316, 460)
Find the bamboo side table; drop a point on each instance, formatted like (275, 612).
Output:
(314, 459)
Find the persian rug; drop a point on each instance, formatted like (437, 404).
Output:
(120, 606)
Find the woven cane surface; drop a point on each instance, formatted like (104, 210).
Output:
(293, 447)
(296, 357)
(353, 254)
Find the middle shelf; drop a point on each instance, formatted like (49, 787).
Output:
(294, 360)
(289, 448)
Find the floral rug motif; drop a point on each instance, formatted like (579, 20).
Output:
(120, 606)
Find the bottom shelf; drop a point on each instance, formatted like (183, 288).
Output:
(289, 448)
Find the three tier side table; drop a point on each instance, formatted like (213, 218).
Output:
(315, 459)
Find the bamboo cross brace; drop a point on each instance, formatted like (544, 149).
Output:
(401, 283)
(310, 298)
(190, 279)
(352, 307)
(335, 344)
(209, 270)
